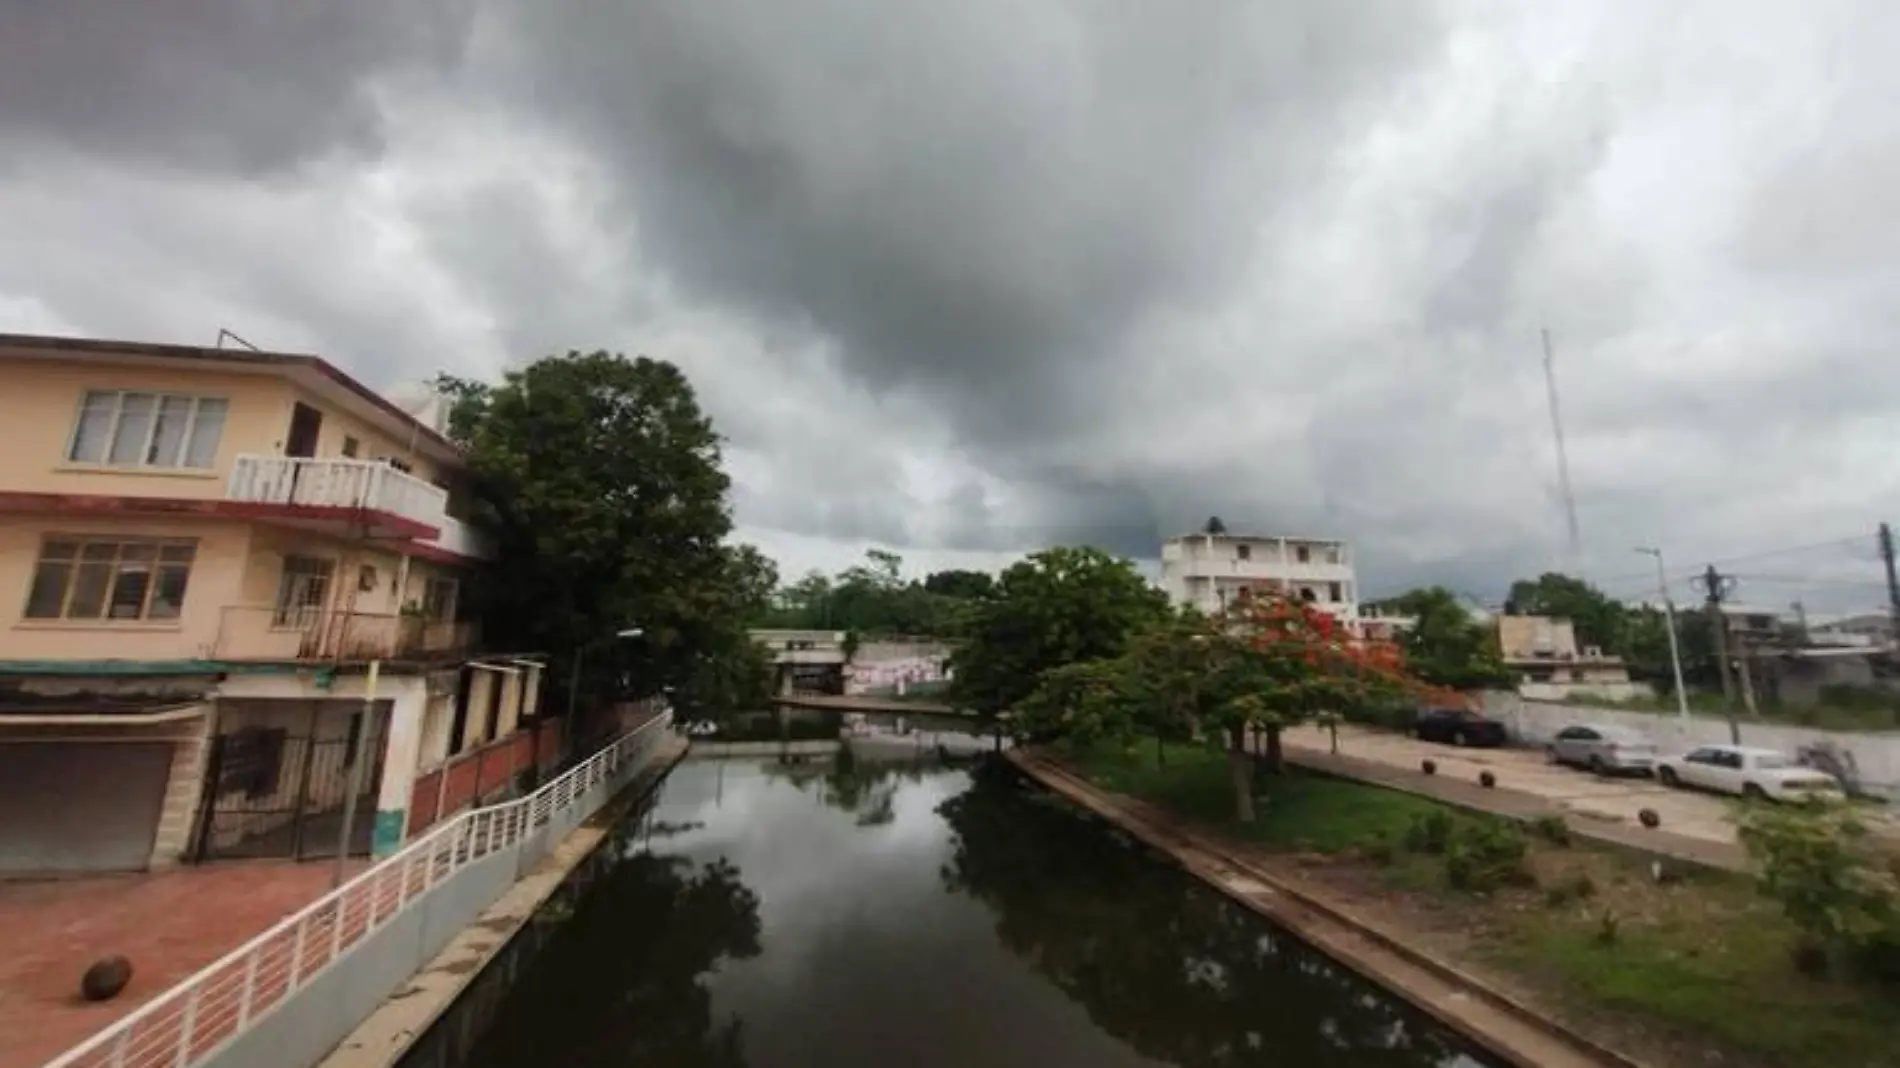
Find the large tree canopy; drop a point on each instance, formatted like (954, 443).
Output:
(600, 479)
(1060, 606)
(1599, 619)
(872, 598)
(1446, 646)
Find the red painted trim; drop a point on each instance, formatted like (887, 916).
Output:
(208, 508)
(437, 554)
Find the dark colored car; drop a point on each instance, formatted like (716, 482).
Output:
(1457, 726)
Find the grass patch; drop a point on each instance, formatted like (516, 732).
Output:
(1705, 959)
(1298, 811)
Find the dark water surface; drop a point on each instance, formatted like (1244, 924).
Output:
(851, 916)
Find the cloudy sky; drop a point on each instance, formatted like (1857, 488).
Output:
(968, 279)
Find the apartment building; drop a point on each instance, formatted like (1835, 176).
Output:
(202, 551)
(1213, 571)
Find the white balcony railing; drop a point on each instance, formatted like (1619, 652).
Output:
(337, 483)
(408, 906)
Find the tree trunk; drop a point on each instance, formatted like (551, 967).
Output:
(1276, 759)
(1240, 770)
(1161, 752)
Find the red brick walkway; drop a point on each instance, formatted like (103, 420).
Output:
(169, 925)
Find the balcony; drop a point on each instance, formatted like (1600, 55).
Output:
(367, 493)
(261, 632)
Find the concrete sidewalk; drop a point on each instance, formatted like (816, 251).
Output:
(1517, 804)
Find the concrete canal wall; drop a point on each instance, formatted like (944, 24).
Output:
(1492, 1020)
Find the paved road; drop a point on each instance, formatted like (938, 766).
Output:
(1701, 821)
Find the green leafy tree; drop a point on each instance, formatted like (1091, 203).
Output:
(1446, 646)
(1823, 866)
(1598, 619)
(1646, 649)
(1082, 702)
(601, 481)
(960, 584)
(1060, 606)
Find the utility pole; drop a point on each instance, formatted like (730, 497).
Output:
(1893, 583)
(1717, 586)
(1574, 542)
(1669, 620)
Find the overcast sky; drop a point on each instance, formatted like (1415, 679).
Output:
(966, 279)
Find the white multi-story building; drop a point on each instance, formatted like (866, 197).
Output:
(1209, 571)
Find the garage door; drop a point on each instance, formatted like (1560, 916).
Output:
(72, 807)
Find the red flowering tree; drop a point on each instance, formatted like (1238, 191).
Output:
(1282, 662)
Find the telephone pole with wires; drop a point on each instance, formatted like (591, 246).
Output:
(1893, 583)
(1573, 543)
(1717, 587)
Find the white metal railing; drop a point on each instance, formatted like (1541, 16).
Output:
(189, 1024)
(336, 482)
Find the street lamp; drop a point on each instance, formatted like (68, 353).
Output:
(580, 652)
(1669, 620)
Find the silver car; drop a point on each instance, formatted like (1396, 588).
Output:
(1603, 748)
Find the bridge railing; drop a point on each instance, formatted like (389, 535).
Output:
(288, 996)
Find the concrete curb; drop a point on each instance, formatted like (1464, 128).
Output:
(1511, 1030)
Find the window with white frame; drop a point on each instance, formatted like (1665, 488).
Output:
(123, 428)
(303, 588)
(115, 580)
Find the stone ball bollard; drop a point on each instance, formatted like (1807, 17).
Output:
(1649, 818)
(1429, 767)
(1487, 780)
(105, 979)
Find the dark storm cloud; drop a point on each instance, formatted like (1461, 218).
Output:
(974, 200)
(995, 275)
(212, 84)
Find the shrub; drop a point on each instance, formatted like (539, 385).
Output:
(1578, 887)
(1486, 855)
(1380, 851)
(1430, 832)
(1608, 928)
(1551, 829)
(1819, 863)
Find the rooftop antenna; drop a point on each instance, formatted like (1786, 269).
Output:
(223, 334)
(1573, 545)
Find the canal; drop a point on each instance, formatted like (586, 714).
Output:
(911, 916)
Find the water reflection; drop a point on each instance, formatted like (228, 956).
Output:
(853, 913)
(1175, 970)
(667, 923)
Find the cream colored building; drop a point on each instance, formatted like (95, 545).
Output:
(1551, 666)
(1213, 571)
(201, 551)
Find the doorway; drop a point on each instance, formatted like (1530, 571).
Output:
(306, 423)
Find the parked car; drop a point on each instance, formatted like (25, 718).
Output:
(1457, 726)
(1757, 773)
(1603, 748)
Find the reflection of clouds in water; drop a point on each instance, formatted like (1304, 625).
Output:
(791, 847)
